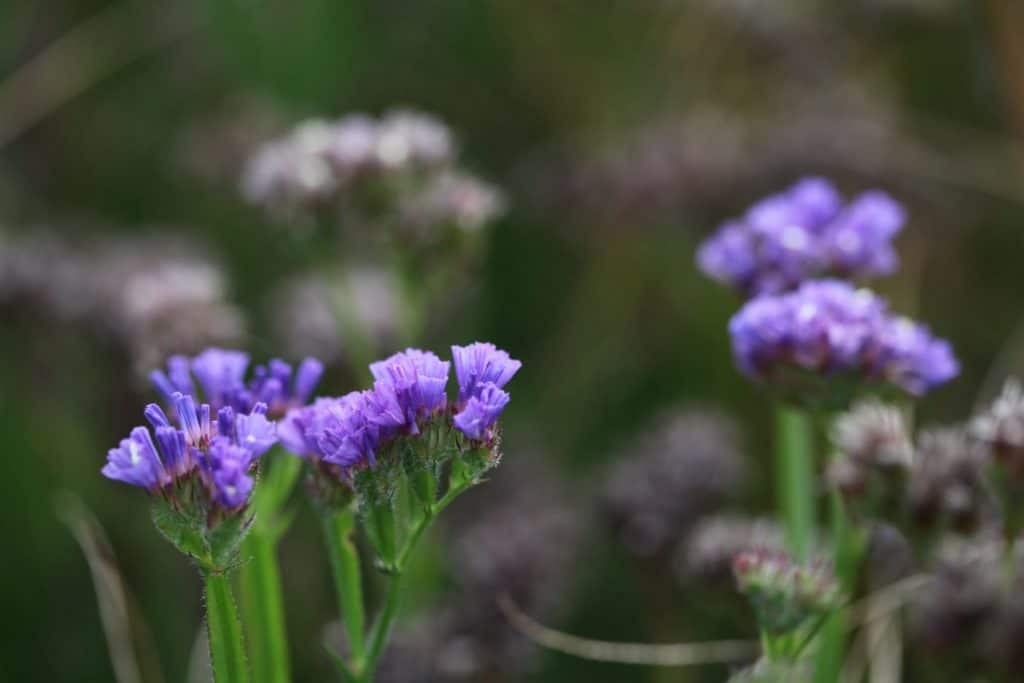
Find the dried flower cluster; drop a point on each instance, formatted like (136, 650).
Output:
(154, 296)
(785, 596)
(401, 167)
(652, 494)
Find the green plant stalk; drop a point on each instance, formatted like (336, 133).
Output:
(794, 484)
(263, 609)
(344, 557)
(224, 630)
(849, 543)
(381, 630)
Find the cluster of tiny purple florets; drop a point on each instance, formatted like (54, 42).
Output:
(829, 327)
(408, 397)
(215, 443)
(804, 233)
(797, 323)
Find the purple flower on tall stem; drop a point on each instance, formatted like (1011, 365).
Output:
(804, 233)
(221, 374)
(217, 441)
(830, 328)
(218, 453)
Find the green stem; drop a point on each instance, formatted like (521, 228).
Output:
(794, 467)
(227, 652)
(849, 545)
(382, 625)
(263, 609)
(262, 599)
(338, 530)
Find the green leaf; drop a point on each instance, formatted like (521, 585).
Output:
(226, 537)
(185, 530)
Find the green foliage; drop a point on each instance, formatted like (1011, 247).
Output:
(212, 544)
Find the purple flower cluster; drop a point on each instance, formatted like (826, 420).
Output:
(221, 375)
(804, 233)
(829, 327)
(215, 443)
(407, 398)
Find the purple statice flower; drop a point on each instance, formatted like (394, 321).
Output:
(829, 327)
(804, 233)
(227, 467)
(343, 431)
(482, 370)
(416, 381)
(407, 401)
(136, 462)
(221, 375)
(481, 412)
(480, 363)
(218, 453)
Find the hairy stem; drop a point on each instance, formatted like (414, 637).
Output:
(338, 529)
(263, 609)
(223, 628)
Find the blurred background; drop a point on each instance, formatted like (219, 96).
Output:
(619, 134)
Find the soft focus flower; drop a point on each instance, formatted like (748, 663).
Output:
(965, 594)
(685, 464)
(221, 374)
(947, 486)
(708, 552)
(1001, 428)
(874, 434)
(801, 234)
(876, 454)
(830, 328)
(331, 315)
(785, 596)
(153, 296)
(457, 199)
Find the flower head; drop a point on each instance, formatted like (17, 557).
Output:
(480, 363)
(830, 328)
(1001, 428)
(786, 596)
(136, 461)
(197, 449)
(481, 411)
(417, 380)
(947, 483)
(804, 233)
(221, 374)
(875, 435)
(407, 404)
